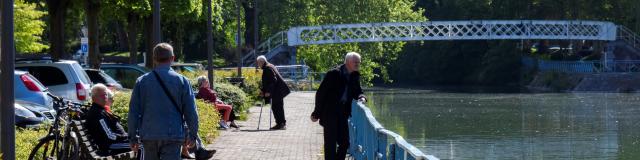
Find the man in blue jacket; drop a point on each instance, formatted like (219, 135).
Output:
(162, 111)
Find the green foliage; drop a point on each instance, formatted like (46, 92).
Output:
(376, 56)
(120, 106)
(231, 94)
(29, 28)
(26, 139)
(208, 117)
(494, 62)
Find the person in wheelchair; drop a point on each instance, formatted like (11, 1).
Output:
(103, 126)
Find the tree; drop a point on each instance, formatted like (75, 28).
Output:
(57, 13)
(131, 13)
(278, 16)
(92, 9)
(28, 28)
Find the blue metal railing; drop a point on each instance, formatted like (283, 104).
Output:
(569, 66)
(369, 140)
(615, 66)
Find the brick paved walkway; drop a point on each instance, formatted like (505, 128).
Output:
(302, 139)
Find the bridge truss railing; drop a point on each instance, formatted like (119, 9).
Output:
(452, 30)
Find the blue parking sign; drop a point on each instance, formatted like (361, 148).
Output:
(84, 48)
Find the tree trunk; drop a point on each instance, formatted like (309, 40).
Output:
(148, 23)
(179, 41)
(249, 21)
(133, 37)
(92, 11)
(57, 14)
(123, 42)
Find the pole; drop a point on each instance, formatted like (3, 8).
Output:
(7, 139)
(157, 34)
(209, 45)
(256, 29)
(239, 40)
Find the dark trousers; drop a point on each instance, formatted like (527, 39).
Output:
(277, 105)
(161, 149)
(336, 131)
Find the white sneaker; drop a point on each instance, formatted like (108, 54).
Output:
(223, 125)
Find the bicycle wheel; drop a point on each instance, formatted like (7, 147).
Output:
(44, 150)
(71, 149)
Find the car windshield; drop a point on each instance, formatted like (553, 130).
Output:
(107, 78)
(84, 78)
(95, 76)
(49, 76)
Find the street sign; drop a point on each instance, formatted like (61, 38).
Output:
(84, 48)
(84, 45)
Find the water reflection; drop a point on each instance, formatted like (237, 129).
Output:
(513, 126)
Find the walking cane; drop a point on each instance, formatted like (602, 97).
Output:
(260, 117)
(270, 112)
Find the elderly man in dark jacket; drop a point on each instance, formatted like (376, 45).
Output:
(339, 87)
(273, 89)
(104, 126)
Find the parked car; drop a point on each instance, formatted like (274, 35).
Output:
(187, 67)
(98, 76)
(126, 74)
(63, 77)
(32, 115)
(48, 112)
(28, 88)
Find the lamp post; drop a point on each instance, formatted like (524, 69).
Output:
(209, 45)
(239, 40)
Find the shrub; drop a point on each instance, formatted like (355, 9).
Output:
(231, 94)
(120, 106)
(208, 117)
(26, 139)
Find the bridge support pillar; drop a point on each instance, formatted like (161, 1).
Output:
(607, 59)
(293, 54)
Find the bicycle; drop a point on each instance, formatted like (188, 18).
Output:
(61, 142)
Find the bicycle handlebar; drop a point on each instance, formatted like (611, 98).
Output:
(66, 103)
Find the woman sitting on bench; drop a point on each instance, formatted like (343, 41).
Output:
(103, 126)
(204, 92)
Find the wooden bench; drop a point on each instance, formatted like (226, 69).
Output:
(89, 150)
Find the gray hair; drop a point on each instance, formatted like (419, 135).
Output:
(162, 52)
(351, 55)
(201, 80)
(98, 87)
(261, 58)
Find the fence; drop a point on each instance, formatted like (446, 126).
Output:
(369, 140)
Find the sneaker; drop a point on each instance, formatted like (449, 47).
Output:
(223, 125)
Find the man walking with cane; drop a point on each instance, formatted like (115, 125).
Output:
(273, 89)
(339, 87)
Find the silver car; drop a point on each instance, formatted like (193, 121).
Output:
(62, 77)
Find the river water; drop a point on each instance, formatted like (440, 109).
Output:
(513, 125)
